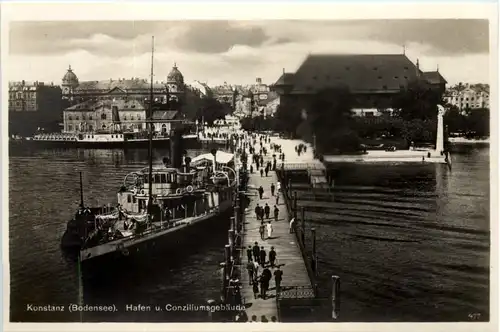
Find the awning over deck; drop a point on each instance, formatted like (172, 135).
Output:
(221, 158)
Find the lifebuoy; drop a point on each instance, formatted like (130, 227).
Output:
(189, 189)
(178, 191)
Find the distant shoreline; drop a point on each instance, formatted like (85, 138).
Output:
(468, 140)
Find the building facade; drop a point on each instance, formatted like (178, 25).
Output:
(468, 96)
(375, 81)
(33, 105)
(171, 90)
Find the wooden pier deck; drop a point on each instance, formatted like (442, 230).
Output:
(289, 256)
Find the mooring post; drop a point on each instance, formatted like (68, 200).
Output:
(230, 236)
(335, 296)
(237, 219)
(227, 256)
(224, 281)
(303, 224)
(295, 205)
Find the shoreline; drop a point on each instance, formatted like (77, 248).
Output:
(462, 140)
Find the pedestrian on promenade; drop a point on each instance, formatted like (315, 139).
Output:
(261, 160)
(267, 170)
(276, 213)
(278, 187)
(292, 225)
(266, 276)
(261, 214)
(251, 169)
(278, 276)
(256, 252)
(262, 288)
(262, 256)
(255, 271)
(274, 164)
(272, 256)
(250, 269)
(269, 230)
(249, 253)
(257, 211)
(262, 231)
(267, 211)
(278, 198)
(261, 190)
(261, 172)
(255, 290)
(272, 189)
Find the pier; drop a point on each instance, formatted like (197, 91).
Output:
(298, 299)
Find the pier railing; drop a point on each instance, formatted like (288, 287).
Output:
(300, 236)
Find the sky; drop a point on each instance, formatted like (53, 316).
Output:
(237, 52)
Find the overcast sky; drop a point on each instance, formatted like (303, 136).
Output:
(237, 51)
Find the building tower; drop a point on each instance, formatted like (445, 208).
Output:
(175, 86)
(69, 84)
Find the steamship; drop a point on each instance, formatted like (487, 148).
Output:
(156, 206)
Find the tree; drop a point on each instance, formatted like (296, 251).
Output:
(287, 119)
(330, 119)
(418, 101)
(211, 109)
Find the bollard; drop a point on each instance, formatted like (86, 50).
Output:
(230, 236)
(210, 303)
(313, 233)
(227, 255)
(303, 224)
(335, 297)
(231, 224)
(295, 205)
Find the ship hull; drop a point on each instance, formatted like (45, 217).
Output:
(104, 264)
(136, 143)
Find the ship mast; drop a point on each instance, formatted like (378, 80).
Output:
(150, 133)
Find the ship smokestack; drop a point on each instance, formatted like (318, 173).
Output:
(176, 149)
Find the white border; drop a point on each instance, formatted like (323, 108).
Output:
(258, 10)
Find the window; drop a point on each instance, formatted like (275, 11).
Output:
(125, 118)
(134, 199)
(396, 77)
(103, 116)
(83, 117)
(384, 87)
(375, 68)
(163, 178)
(112, 136)
(129, 198)
(90, 117)
(70, 117)
(91, 128)
(138, 117)
(70, 127)
(380, 77)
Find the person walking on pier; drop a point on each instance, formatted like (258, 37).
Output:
(278, 275)
(250, 269)
(249, 253)
(267, 211)
(261, 172)
(261, 190)
(267, 170)
(257, 211)
(251, 169)
(262, 256)
(266, 277)
(292, 225)
(272, 256)
(256, 252)
(273, 188)
(262, 231)
(269, 230)
(255, 289)
(255, 271)
(278, 198)
(276, 213)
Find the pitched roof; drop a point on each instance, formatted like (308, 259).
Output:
(358, 72)
(285, 79)
(164, 115)
(108, 85)
(434, 77)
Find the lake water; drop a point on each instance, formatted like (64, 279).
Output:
(410, 243)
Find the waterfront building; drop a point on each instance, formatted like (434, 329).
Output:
(375, 80)
(33, 105)
(226, 94)
(113, 116)
(173, 89)
(468, 96)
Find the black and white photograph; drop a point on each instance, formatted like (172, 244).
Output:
(242, 170)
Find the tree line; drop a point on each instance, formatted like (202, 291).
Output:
(328, 120)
